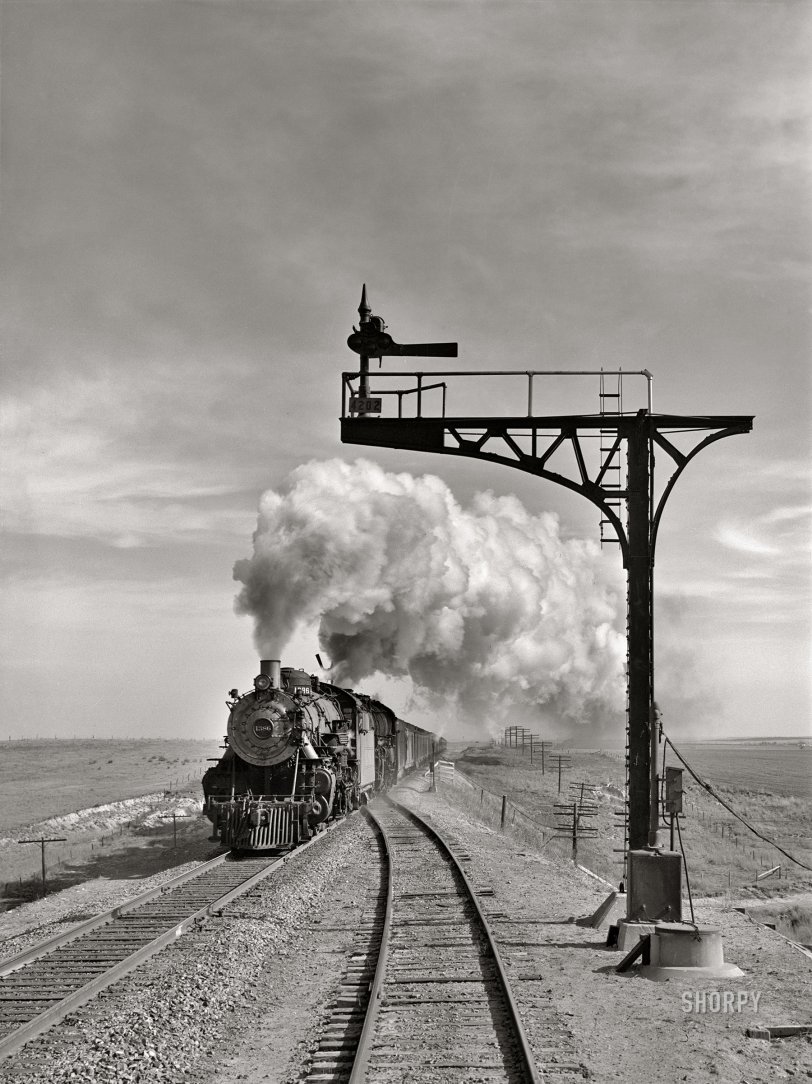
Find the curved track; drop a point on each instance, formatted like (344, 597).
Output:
(426, 993)
(42, 985)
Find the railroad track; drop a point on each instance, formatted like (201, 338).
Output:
(40, 986)
(425, 992)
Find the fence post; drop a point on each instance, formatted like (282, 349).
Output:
(575, 831)
(504, 810)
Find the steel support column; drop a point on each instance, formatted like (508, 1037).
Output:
(640, 626)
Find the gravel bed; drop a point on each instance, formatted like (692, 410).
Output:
(198, 1006)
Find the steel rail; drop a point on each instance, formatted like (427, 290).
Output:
(41, 948)
(531, 1073)
(359, 1065)
(45, 1020)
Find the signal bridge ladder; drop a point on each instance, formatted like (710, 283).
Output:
(612, 466)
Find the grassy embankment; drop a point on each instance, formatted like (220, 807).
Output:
(722, 855)
(42, 780)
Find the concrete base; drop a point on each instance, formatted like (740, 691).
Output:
(663, 974)
(629, 933)
(679, 950)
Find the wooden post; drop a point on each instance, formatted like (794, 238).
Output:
(575, 831)
(504, 810)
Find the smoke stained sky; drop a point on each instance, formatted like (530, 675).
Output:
(192, 195)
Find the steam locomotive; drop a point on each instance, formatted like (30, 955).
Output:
(300, 752)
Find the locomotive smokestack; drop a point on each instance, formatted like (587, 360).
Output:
(273, 669)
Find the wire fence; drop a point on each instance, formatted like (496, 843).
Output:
(721, 859)
(499, 812)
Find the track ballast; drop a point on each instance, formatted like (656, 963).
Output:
(429, 994)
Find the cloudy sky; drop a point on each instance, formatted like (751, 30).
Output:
(192, 195)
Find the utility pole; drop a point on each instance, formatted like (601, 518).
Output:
(569, 825)
(174, 818)
(527, 442)
(42, 841)
(545, 751)
(563, 760)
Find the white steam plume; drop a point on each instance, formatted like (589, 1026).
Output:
(486, 607)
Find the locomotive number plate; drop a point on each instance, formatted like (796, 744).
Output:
(263, 728)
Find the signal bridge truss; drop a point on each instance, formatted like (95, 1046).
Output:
(555, 447)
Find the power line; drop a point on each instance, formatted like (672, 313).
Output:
(730, 809)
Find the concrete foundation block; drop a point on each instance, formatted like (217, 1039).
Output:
(682, 950)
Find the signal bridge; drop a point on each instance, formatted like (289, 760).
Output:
(554, 447)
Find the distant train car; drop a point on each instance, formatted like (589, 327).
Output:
(299, 752)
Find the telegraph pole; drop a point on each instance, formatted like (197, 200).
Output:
(42, 841)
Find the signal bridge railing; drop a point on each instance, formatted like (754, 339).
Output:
(429, 394)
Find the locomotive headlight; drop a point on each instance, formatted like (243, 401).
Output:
(262, 683)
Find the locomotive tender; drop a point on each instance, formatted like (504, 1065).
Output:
(300, 752)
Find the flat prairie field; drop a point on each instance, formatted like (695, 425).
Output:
(774, 766)
(44, 779)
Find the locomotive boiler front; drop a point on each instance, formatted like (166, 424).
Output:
(261, 725)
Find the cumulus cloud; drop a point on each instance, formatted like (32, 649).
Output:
(485, 607)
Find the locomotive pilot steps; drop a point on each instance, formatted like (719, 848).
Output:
(300, 752)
